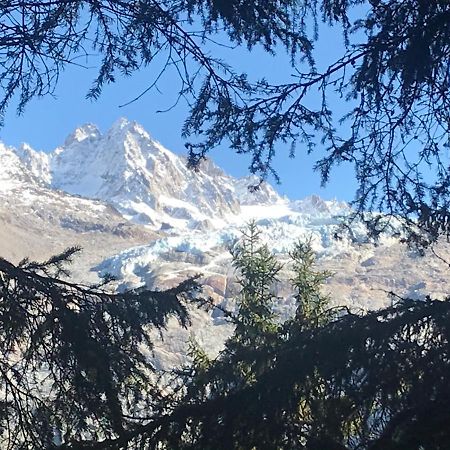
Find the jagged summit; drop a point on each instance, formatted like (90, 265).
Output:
(147, 183)
(14, 172)
(80, 134)
(122, 124)
(143, 217)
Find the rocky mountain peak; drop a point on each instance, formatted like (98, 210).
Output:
(251, 190)
(148, 184)
(142, 216)
(123, 126)
(128, 169)
(12, 167)
(38, 163)
(85, 132)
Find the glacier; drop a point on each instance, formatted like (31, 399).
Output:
(144, 217)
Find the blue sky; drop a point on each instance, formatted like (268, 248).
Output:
(46, 122)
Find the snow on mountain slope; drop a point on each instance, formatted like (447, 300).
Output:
(37, 221)
(147, 219)
(280, 226)
(38, 163)
(13, 173)
(21, 186)
(146, 182)
(363, 274)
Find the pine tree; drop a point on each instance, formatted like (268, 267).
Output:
(73, 374)
(312, 305)
(320, 380)
(73, 368)
(251, 353)
(257, 271)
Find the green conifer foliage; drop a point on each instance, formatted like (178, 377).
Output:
(73, 375)
(258, 271)
(72, 364)
(313, 305)
(225, 386)
(321, 380)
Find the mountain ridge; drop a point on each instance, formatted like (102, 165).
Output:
(142, 216)
(146, 182)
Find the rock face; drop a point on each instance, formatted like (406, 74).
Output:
(38, 221)
(142, 216)
(147, 183)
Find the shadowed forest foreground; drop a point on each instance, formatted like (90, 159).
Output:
(77, 372)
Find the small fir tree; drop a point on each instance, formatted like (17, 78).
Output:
(312, 305)
(257, 271)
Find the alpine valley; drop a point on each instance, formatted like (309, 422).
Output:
(142, 216)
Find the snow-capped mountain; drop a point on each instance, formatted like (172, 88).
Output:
(38, 221)
(147, 183)
(144, 217)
